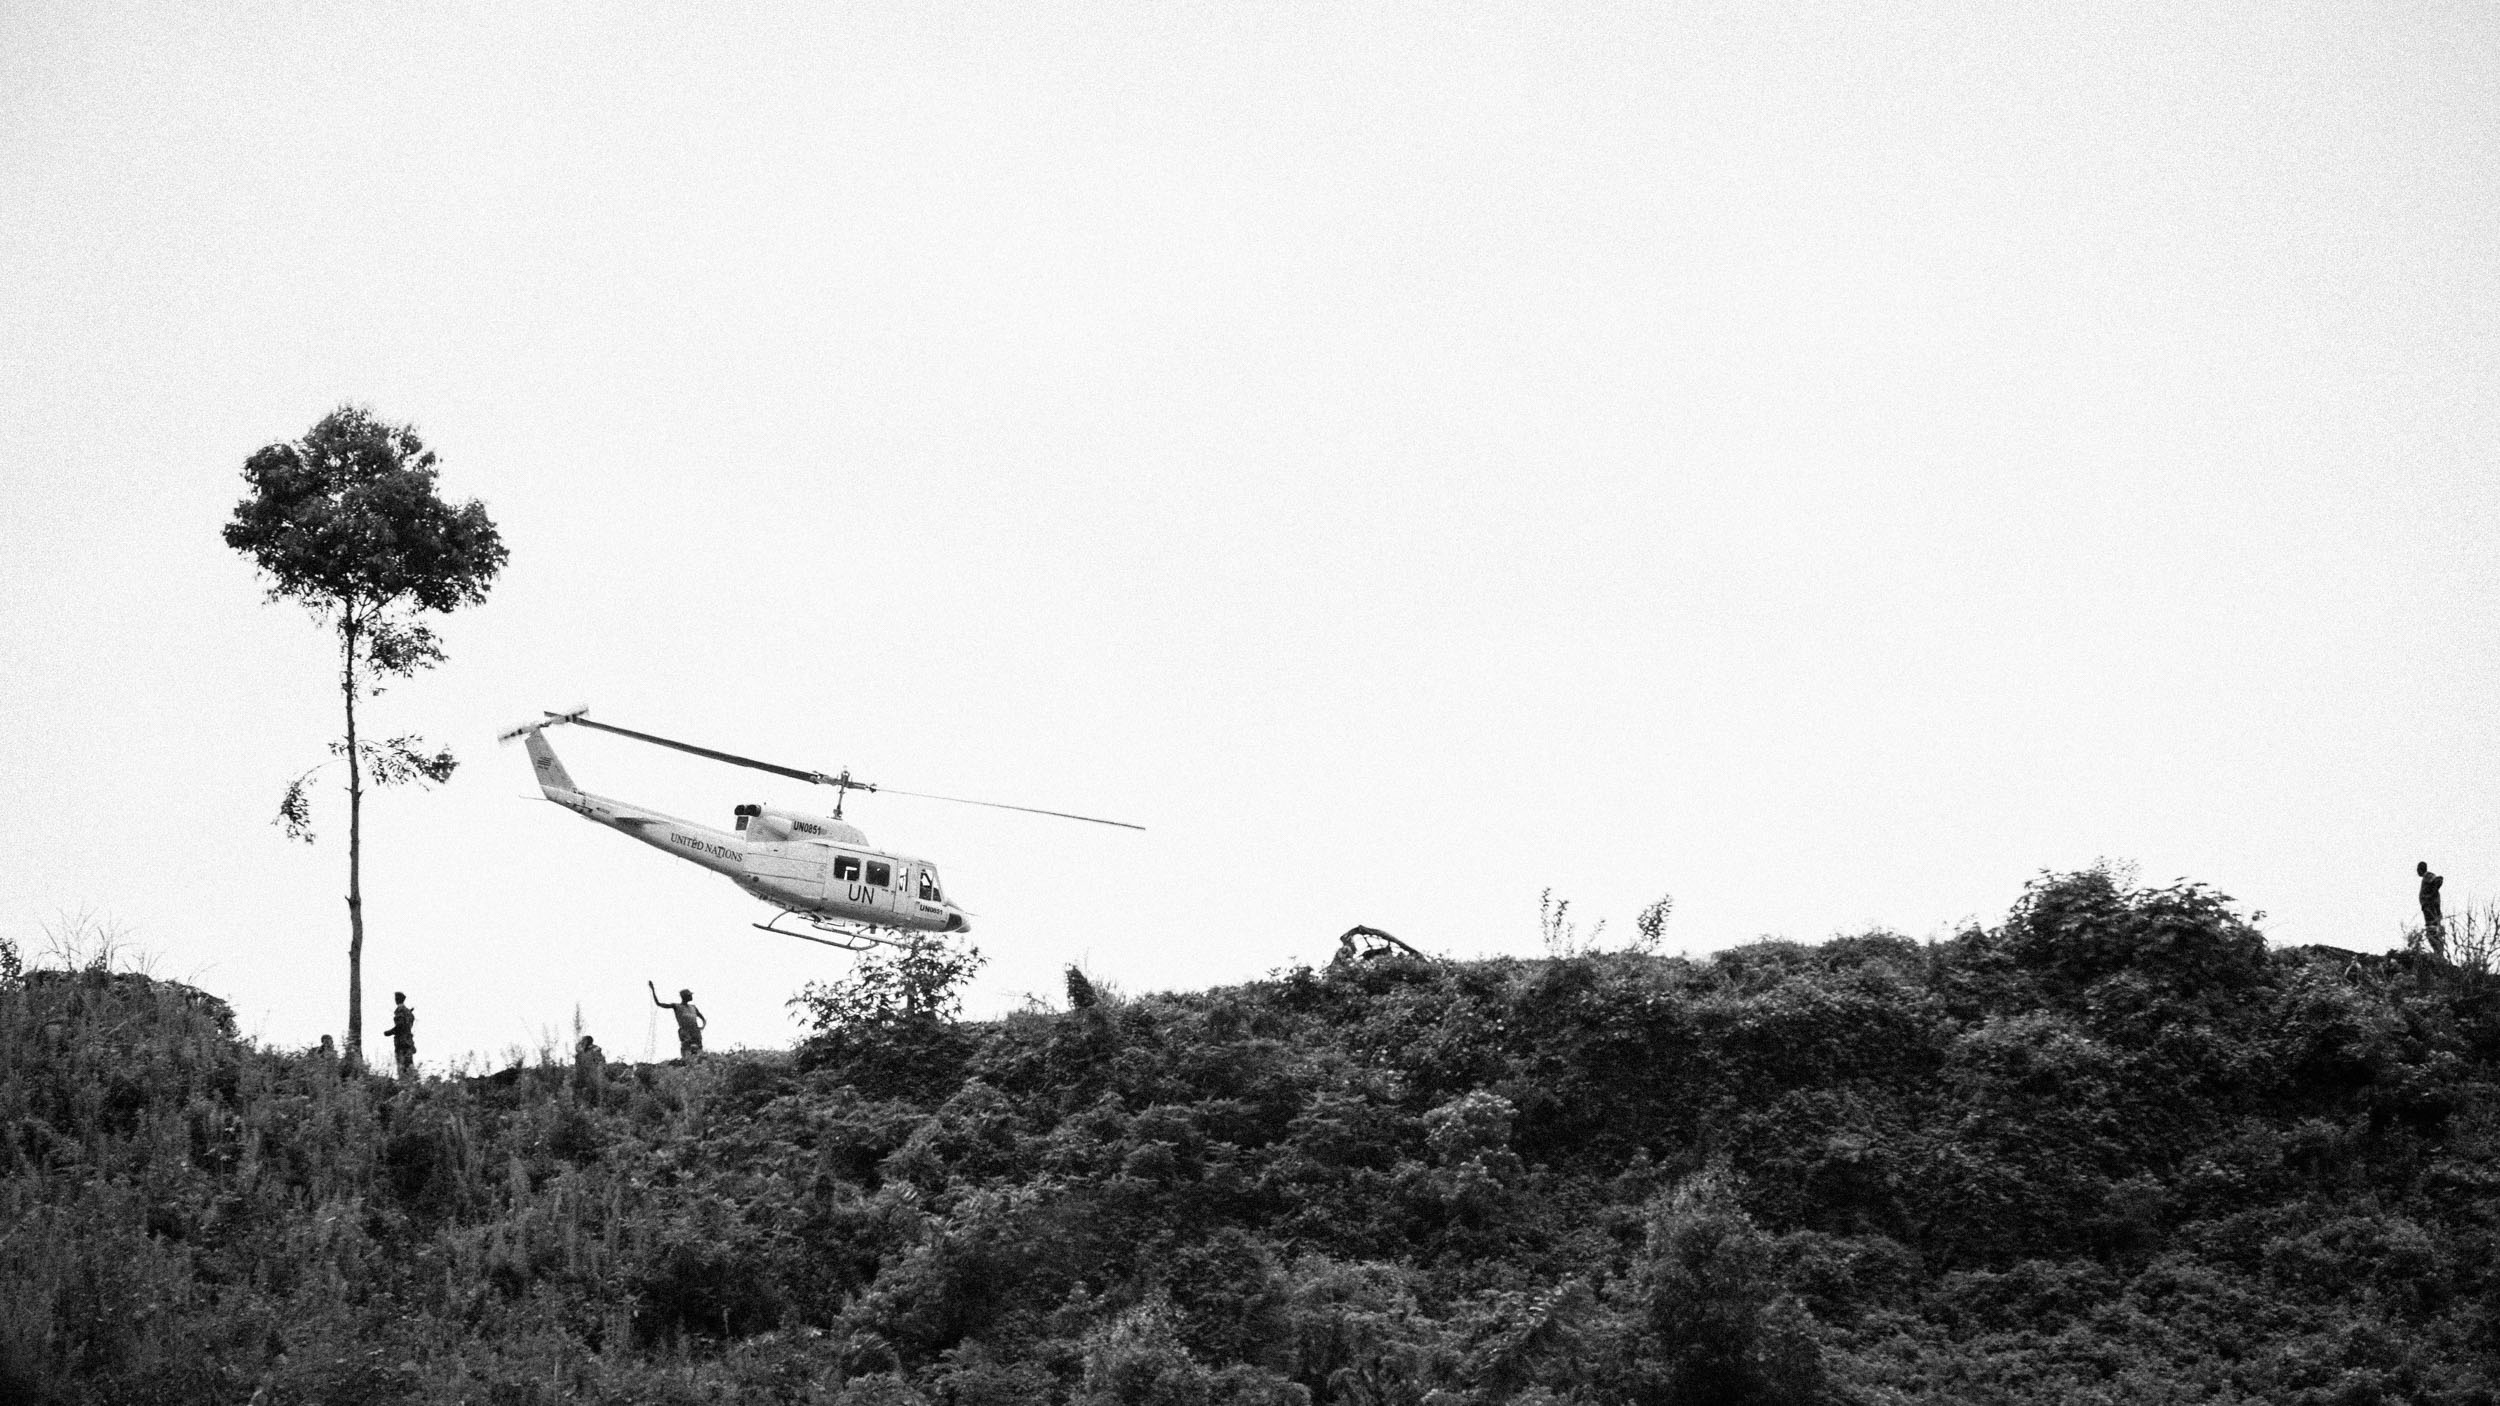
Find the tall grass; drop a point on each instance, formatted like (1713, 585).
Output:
(187, 1216)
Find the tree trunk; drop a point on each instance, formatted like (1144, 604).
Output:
(355, 852)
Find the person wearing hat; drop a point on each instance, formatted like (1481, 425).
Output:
(690, 1022)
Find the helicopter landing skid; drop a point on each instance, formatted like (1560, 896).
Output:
(847, 938)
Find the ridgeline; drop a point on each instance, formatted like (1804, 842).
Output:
(2113, 1149)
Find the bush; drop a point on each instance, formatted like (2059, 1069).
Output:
(2075, 929)
(918, 985)
(1720, 1321)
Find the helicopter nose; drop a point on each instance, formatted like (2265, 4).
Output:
(957, 922)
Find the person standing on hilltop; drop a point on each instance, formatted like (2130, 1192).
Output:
(690, 1022)
(403, 1035)
(2432, 931)
(590, 1066)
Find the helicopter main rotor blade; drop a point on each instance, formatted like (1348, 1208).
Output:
(1002, 805)
(730, 757)
(819, 778)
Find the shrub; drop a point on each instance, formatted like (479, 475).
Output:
(2075, 929)
(919, 984)
(1720, 1322)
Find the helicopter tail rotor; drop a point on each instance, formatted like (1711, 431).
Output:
(554, 782)
(515, 734)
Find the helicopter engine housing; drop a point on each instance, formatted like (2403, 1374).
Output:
(762, 825)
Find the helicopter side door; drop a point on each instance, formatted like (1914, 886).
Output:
(884, 882)
(862, 885)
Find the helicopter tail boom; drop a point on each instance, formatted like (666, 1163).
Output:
(716, 850)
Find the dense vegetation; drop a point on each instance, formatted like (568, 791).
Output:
(2113, 1149)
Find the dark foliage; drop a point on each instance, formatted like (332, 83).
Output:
(2112, 1150)
(349, 513)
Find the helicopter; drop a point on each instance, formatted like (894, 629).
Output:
(817, 869)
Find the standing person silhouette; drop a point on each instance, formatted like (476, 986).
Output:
(403, 1035)
(590, 1066)
(690, 1022)
(2431, 928)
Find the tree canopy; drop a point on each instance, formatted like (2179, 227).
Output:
(349, 516)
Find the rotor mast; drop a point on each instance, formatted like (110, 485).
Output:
(842, 786)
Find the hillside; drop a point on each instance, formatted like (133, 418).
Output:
(2110, 1149)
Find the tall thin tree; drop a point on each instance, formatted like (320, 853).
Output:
(347, 521)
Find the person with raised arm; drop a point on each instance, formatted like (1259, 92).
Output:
(690, 1022)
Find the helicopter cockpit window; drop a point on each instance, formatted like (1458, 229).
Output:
(845, 869)
(929, 885)
(882, 875)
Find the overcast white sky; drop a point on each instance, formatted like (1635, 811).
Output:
(1825, 463)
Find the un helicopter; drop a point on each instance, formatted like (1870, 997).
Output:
(817, 869)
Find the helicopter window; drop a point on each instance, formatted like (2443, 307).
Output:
(929, 884)
(882, 875)
(845, 869)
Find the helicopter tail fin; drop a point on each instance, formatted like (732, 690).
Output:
(552, 777)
